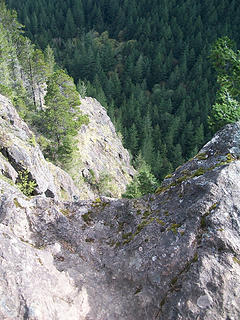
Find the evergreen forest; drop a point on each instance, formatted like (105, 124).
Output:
(147, 62)
(28, 76)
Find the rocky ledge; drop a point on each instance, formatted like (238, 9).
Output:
(174, 255)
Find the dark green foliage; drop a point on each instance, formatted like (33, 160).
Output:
(147, 62)
(227, 65)
(62, 118)
(24, 73)
(143, 182)
(25, 183)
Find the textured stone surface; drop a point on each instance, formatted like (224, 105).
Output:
(101, 166)
(19, 151)
(101, 155)
(170, 256)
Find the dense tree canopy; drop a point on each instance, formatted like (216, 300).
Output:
(146, 61)
(43, 94)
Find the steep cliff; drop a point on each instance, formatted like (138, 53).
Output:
(19, 153)
(170, 256)
(100, 166)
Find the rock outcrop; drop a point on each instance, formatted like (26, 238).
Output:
(19, 152)
(174, 255)
(101, 166)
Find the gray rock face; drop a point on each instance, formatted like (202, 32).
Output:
(19, 151)
(102, 166)
(174, 255)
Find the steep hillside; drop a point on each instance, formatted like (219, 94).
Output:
(170, 256)
(22, 162)
(101, 163)
(100, 167)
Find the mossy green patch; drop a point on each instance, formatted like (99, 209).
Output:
(195, 257)
(159, 221)
(230, 158)
(213, 207)
(235, 259)
(186, 175)
(126, 235)
(112, 243)
(199, 172)
(99, 203)
(174, 281)
(32, 141)
(202, 156)
(181, 179)
(174, 227)
(17, 204)
(65, 212)
(162, 189)
(146, 214)
(4, 178)
(87, 217)
(139, 212)
(203, 222)
(127, 241)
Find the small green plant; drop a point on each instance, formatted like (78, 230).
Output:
(235, 259)
(17, 204)
(5, 91)
(199, 172)
(26, 185)
(174, 227)
(144, 182)
(159, 221)
(32, 141)
(202, 156)
(65, 212)
(104, 184)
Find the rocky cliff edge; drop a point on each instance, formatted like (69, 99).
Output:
(100, 166)
(174, 255)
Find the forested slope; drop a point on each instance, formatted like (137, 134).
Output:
(147, 62)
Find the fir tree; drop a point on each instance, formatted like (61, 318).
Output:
(62, 118)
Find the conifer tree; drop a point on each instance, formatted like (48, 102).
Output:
(62, 118)
(143, 182)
